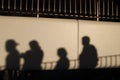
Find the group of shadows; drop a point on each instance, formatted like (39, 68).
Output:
(33, 58)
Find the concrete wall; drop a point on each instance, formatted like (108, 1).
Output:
(53, 34)
(105, 37)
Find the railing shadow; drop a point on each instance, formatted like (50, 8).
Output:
(110, 61)
(104, 10)
(51, 65)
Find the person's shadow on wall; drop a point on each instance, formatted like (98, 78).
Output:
(33, 57)
(32, 61)
(12, 59)
(88, 58)
(63, 62)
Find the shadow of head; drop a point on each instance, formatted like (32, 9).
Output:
(10, 45)
(62, 52)
(85, 40)
(34, 45)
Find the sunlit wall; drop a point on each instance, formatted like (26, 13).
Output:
(53, 34)
(105, 37)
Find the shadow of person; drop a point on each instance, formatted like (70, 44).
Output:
(32, 60)
(63, 62)
(88, 58)
(12, 59)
